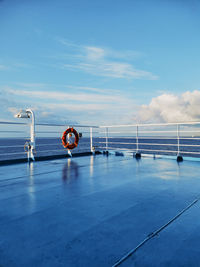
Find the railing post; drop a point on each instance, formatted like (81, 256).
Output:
(137, 145)
(91, 141)
(178, 140)
(179, 158)
(137, 154)
(107, 140)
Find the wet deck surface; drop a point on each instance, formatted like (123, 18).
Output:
(91, 211)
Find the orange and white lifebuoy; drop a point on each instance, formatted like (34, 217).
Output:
(65, 143)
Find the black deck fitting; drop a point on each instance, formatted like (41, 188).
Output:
(138, 155)
(106, 153)
(179, 158)
(119, 154)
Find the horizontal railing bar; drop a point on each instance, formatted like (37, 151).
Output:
(168, 137)
(151, 144)
(133, 132)
(13, 123)
(67, 125)
(58, 144)
(11, 146)
(182, 152)
(40, 151)
(57, 150)
(49, 124)
(155, 150)
(118, 143)
(114, 148)
(163, 131)
(150, 124)
(105, 126)
(12, 131)
(150, 138)
(59, 131)
(25, 138)
(12, 153)
(151, 150)
(133, 137)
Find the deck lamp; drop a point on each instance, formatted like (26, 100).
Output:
(29, 114)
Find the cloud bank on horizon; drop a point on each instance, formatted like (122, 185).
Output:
(172, 108)
(78, 105)
(57, 106)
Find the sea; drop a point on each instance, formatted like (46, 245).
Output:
(14, 148)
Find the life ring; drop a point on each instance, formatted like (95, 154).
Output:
(67, 144)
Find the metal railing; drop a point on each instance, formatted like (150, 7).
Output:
(25, 140)
(17, 140)
(177, 139)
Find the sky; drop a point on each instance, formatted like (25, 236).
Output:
(100, 62)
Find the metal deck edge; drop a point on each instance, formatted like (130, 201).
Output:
(43, 158)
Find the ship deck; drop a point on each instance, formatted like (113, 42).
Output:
(93, 210)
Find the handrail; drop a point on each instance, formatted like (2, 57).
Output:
(182, 137)
(50, 124)
(150, 124)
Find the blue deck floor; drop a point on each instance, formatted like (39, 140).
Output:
(91, 211)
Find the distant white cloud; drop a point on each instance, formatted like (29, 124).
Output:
(74, 88)
(172, 108)
(93, 89)
(14, 66)
(86, 105)
(32, 85)
(94, 53)
(68, 97)
(105, 62)
(3, 67)
(114, 70)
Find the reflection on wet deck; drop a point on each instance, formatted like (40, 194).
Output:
(91, 211)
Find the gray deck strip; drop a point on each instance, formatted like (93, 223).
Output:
(90, 211)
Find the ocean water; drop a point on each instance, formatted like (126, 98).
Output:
(12, 148)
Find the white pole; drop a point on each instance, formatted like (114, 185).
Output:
(106, 138)
(178, 140)
(137, 145)
(91, 141)
(32, 134)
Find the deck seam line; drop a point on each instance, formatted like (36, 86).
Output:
(153, 234)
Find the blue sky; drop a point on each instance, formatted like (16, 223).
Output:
(100, 62)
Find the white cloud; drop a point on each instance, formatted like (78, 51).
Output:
(78, 89)
(3, 67)
(94, 53)
(85, 106)
(105, 62)
(14, 66)
(32, 85)
(93, 89)
(115, 70)
(67, 97)
(172, 108)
